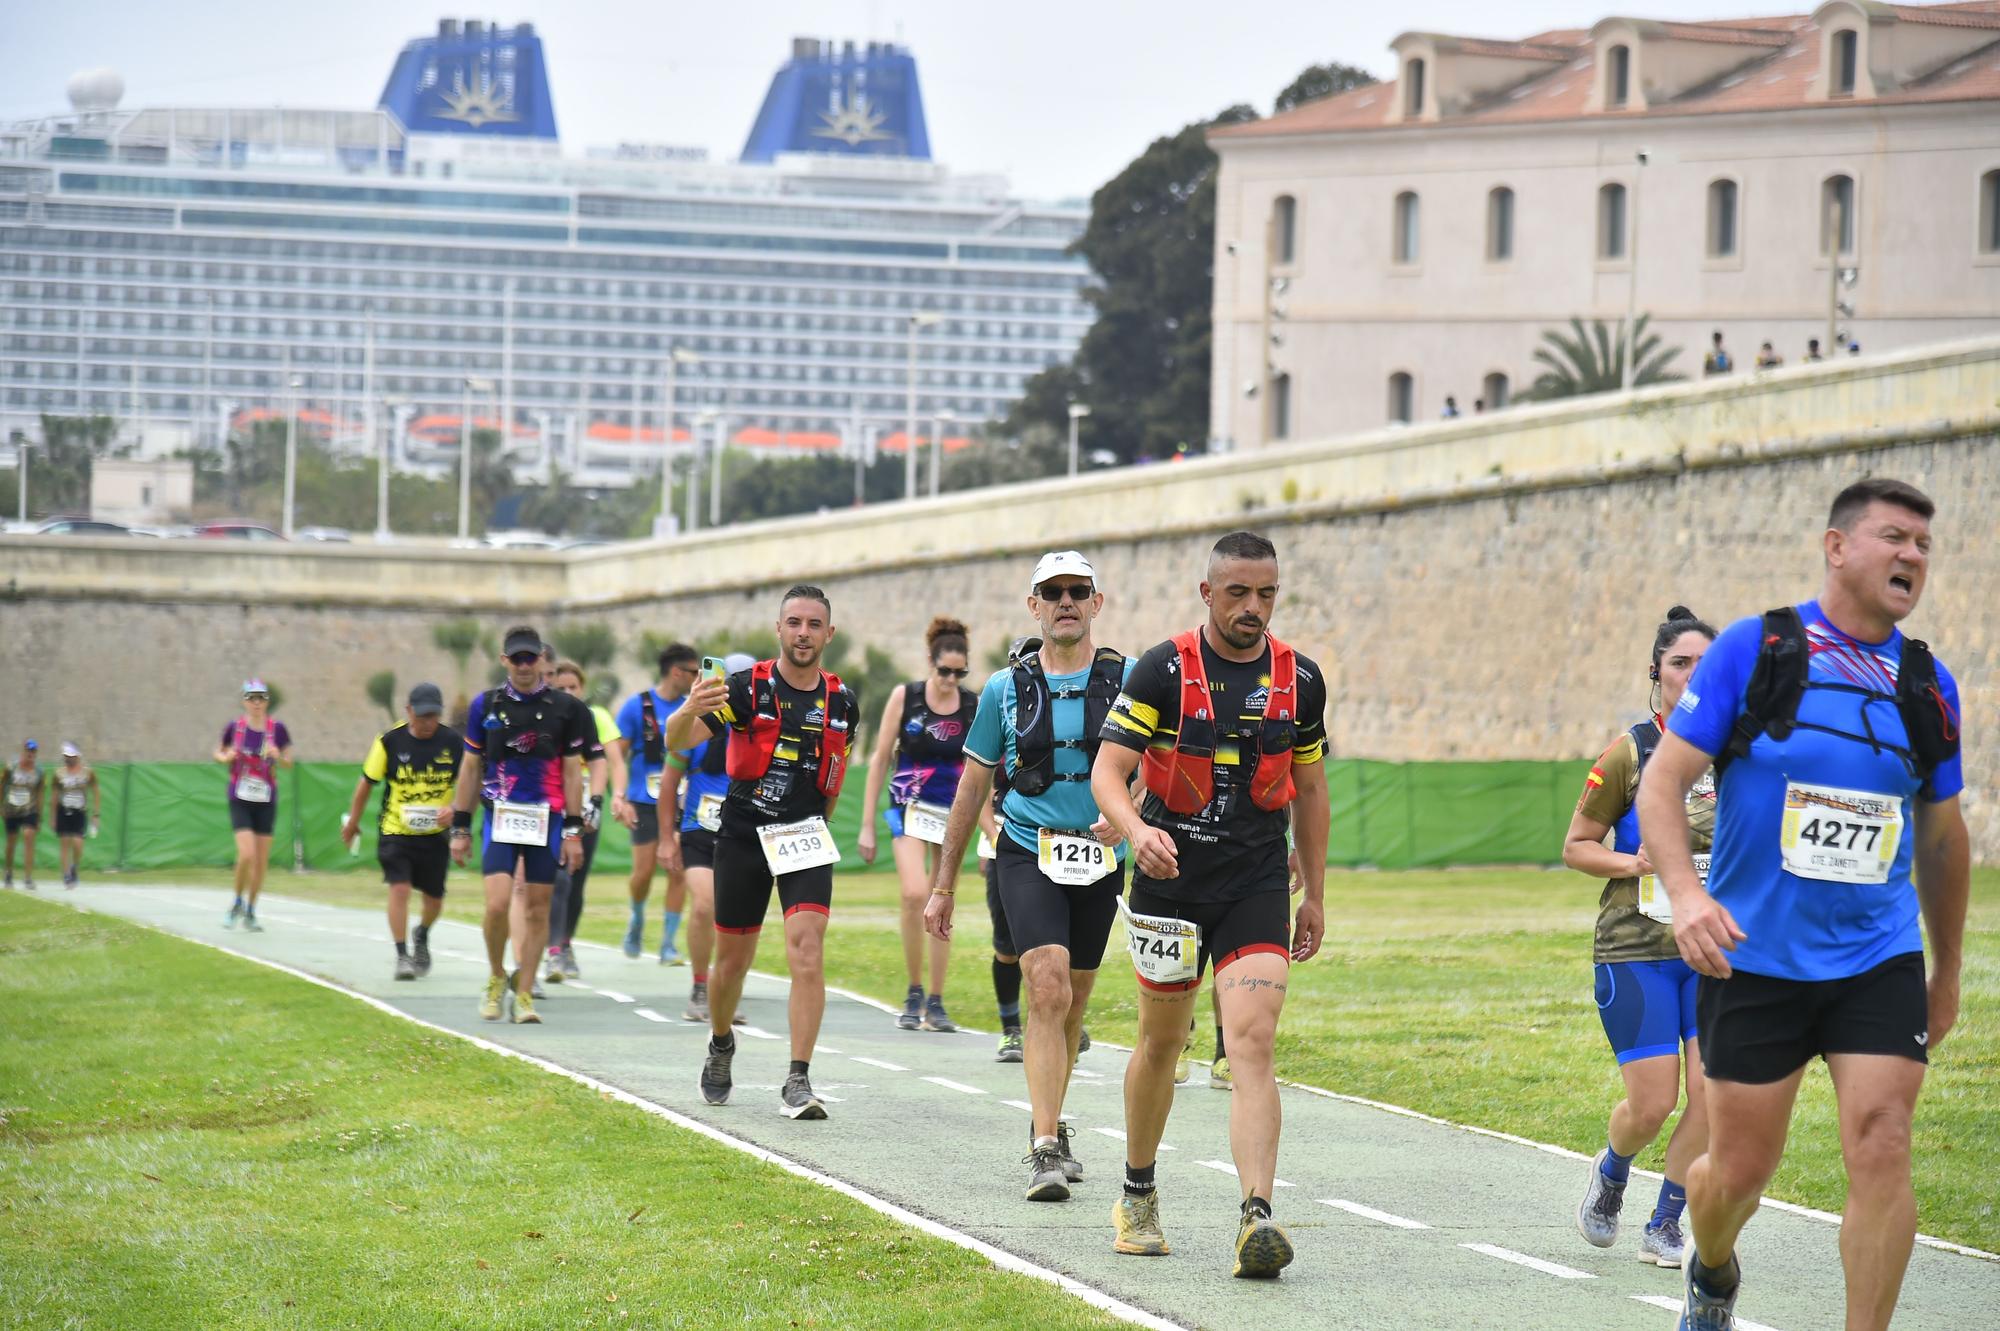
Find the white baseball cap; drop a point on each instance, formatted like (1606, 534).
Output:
(1057, 562)
(70, 750)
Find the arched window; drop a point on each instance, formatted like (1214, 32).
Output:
(1499, 224)
(1846, 59)
(1989, 213)
(1281, 406)
(1407, 220)
(1495, 391)
(1722, 219)
(1611, 221)
(1402, 398)
(1413, 88)
(1836, 215)
(1618, 76)
(1284, 227)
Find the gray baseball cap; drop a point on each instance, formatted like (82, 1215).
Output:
(426, 700)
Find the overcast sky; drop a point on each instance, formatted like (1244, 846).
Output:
(1057, 94)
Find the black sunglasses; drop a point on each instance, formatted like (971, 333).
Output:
(948, 673)
(524, 658)
(1053, 592)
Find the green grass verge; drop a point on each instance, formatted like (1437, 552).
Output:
(187, 1140)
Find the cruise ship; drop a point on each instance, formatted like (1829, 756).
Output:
(379, 273)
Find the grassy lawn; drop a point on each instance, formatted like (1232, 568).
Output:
(191, 1141)
(1465, 994)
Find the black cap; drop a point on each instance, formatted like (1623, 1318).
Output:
(426, 700)
(522, 640)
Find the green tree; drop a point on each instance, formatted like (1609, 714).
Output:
(1583, 362)
(381, 689)
(460, 638)
(1319, 81)
(60, 464)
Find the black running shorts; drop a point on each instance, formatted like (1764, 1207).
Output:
(697, 848)
(1229, 929)
(16, 823)
(72, 822)
(258, 819)
(420, 861)
(646, 824)
(1003, 934)
(743, 886)
(1757, 1029)
(1041, 913)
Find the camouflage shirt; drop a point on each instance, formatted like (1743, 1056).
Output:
(1623, 934)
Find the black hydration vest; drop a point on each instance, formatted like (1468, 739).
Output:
(1035, 741)
(1779, 680)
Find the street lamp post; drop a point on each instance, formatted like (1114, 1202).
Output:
(465, 456)
(207, 369)
(21, 459)
(1077, 411)
(944, 417)
(1629, 371)
(292, 385)
(395, 403)
(676, 357)
(714, 421)
(370, 440)
(918, 322)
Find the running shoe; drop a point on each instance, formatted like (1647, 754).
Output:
(228, 921)
(421, 955)
(1702, 1311)
(715, 1082)
(1663, 1244)
(799, 1100)
(1262, 1247)
(1597, 1217)
(1072, 1167)
(31, 885)
(524, 1013)
(697, 1008)
(912, 1015)
(670, 956)
(1183, 1068)
(489, 1006)
(552, 967)
(250, 924)
(405, 968)
(1218, 1075)
(1046, 1182)
(935, 1018)
(1010, 1046)
(570, 969)
(1137, 1221)
(634, 935)
(10, 882)
(1083, 1041)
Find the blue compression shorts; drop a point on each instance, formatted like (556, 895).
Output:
(1647, 1006)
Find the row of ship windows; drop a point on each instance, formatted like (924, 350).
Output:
(268, 352)
(269, 379)
(687, 325)
(115, 399)
(1723, 226)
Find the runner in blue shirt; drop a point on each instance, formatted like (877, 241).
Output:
(1837, 823)
(1059, 873)
(642, 723)
(697, 782)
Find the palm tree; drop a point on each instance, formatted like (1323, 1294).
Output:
(1593, 361)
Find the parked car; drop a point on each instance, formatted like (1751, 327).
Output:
(233, 530)
(522, 540)
(81, 527)
(338, 535)
(171, 532)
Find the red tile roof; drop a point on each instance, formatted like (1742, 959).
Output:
(1781, 59)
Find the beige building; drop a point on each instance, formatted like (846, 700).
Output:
(141, 490)
(1382, 249)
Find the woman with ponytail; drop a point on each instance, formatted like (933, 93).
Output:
(1645, 992)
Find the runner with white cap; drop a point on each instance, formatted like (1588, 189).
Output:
(78, 804)
(21, 806)
(253, 747)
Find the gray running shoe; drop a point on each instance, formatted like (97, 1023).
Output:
(715, 1081)
(10, 883)
(552, 971)
(1010, 1046)
(1701, 1311)
(569, 967)
(1663, 1244)
(1597, 1217)
(935, 1018)
(228, 921)
(535, 989)
(1083, 1041)
(1072, 1167)
(31, 885)
(697, 1008)
(405, 968)
(421, 955)
(1046, 1181)
(249, 918)
(912, 1015)
(799, 1100)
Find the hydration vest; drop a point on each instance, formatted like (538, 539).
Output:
(1780, 679)
(653, 743)
(1183, 777)
(1646, 735)
(1035, 741)
(751, 750)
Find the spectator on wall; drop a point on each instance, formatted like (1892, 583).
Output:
(1717, 360)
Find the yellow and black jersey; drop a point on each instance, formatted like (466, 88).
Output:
(418, 777)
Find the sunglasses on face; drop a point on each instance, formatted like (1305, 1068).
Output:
(1053, 592)
(524, 658)
(256, 697)
(946, 672)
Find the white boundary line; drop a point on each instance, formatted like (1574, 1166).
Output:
(1556, 1269)
(1000, 1257)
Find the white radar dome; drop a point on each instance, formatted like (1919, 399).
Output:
(95, 89)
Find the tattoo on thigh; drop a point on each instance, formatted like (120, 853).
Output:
(1254, 982)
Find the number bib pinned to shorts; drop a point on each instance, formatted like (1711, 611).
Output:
(1839, 836)
(253, 790)
(708, 813)
(520, 824)
(1072, 860)
(790, 847)
(1653, 902)
(925, 822)
(1165, 952)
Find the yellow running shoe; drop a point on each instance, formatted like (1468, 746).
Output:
(489, 1006)
(1262, 1247)
(1182, 1068)
(1218, 1075)
(1137, 1220)
(524, 1010)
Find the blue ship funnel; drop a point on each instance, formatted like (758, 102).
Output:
(853, 102)
(474, 78)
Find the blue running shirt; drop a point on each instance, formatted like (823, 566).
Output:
(1809, 928)
(632, 725)
(1066, 806)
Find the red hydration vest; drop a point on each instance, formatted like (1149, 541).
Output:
(750, 755)
(1184, 777)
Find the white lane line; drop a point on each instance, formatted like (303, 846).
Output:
(881, 1063)
(1370, 1213)
(756, 1032)
(1118, 1134)
(617, 997)
(1224, 1167)
(1019, 1104)
(819, 1049)
(579, 984)
(1674, 1306)
(1532, 1263)
(951, 1085)
(649, 1014)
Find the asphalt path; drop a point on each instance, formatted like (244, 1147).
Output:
(1399, 1220)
